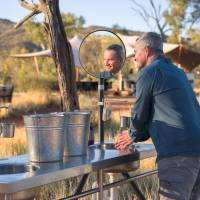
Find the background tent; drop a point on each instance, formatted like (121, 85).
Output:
(75, 43)
(184, 57)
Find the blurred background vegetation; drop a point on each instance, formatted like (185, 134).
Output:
(179, 18)
(22, 73)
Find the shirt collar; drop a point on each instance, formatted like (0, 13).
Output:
(159, 57)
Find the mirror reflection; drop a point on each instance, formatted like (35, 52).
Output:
(113, 58)
(102, 53)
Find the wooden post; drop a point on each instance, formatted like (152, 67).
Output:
(36, 65)
(60, 47)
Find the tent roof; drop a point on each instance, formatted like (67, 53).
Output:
(75, 43)
(34, 54)
(184, 57)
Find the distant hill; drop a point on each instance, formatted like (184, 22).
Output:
(11, 38)
(90, 29)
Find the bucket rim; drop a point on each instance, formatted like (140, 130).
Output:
(44, 128)
(48, 115)
(78, 113)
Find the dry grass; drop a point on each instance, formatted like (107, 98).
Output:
(35, 102)
(13, 146)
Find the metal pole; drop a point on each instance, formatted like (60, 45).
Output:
(114, 190)
(100, 109)
(100, 184)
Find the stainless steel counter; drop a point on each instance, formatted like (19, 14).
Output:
(96, 159)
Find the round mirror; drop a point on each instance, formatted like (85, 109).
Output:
(102, 54)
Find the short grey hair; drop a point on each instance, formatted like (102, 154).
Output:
(151, 40)
(118, 49)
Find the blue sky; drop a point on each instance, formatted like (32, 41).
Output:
(95, 12)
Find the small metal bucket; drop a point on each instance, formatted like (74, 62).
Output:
(6, 92)
(45, 137)
(7, 130)
(76, 133)
(124, 122)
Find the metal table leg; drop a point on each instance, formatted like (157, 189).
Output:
(100, 184)
(8, 197)
(135, 187)
(81, 184)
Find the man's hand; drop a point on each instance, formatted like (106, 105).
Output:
(123, 140)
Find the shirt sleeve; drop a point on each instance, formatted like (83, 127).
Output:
(141, 111)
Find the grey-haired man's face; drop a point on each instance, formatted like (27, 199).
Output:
(140, 56)
(112, 62)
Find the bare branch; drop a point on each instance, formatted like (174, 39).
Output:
(140, 9)
(26, 18)
(35, 8)
(154, 13)
(142, 12)
(164, 26)
(154, 9)
(27, 5)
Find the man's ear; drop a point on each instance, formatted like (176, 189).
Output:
(146, 50)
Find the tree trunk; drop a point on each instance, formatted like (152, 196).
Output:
(63, 56)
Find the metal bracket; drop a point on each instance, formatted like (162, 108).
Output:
(100, 103)
(101, 87)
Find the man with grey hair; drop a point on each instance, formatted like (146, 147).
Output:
(113, 58)
(166, 109)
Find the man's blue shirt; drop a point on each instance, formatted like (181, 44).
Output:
(166, 109)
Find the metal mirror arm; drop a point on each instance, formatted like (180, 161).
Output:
(100, 109)
(101, 87)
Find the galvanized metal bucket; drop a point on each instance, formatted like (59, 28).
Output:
(6, 92)
(45, 137)
(76, 133)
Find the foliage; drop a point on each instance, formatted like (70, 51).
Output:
(176, 18)
(34, 31)
(72, 24)
(194, 37)
(180, 20)
(22, 72)
(182, 17)
(194, 14)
